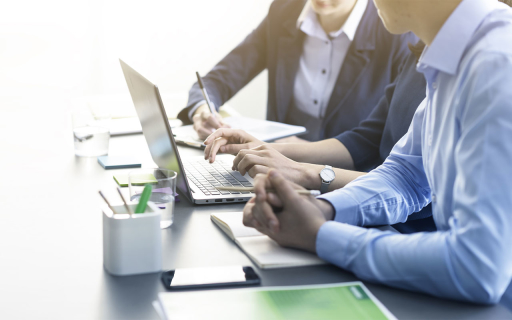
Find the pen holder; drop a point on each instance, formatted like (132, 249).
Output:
(132, 244)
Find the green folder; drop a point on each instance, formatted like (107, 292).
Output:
(331, 301)
(122, 180)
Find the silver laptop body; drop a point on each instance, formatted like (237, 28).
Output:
(197, 178)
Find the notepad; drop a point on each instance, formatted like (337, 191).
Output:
(262, 250)
(350, 300)
(122, 180)
(109, 162)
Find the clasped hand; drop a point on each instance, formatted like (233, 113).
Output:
(299, 218)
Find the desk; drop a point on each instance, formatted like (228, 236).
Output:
(51, 235)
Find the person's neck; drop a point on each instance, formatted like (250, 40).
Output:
(430, 20)
(336, 20)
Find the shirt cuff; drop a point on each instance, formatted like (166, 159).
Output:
(345, 206)
(338, 242)
(194, 108)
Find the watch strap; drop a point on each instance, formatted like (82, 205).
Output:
(324, 187)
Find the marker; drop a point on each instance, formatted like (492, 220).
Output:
(143, 200)
(205, 93)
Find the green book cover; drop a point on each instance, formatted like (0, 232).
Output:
(332, 301)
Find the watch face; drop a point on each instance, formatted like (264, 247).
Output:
(327, 174)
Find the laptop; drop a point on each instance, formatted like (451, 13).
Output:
(197, 179)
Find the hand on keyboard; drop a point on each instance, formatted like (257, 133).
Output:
(228, 141)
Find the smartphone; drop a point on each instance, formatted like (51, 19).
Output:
(194, 278)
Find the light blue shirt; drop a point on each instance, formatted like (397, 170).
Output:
(457, 154)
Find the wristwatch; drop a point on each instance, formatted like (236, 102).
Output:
(327, 175)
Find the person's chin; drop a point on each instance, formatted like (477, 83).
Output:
(323, 11)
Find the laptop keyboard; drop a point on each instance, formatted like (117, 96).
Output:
(207, 176)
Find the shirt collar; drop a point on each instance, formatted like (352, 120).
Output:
(309, 24)
(446, 51)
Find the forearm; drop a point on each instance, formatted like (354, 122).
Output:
(311, 177)
(446, 264)
(326, 152)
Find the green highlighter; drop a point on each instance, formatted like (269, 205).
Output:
(143, 200)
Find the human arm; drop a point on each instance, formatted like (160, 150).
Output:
(232, 73)
(264, 157)
(326, 152)
(469, 259)
(255, 156)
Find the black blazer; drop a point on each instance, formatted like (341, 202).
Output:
(371, 63)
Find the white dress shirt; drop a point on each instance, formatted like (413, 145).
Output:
(322, 58)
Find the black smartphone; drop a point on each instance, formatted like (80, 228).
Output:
(193, 278)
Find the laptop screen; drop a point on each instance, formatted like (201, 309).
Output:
(155, 126)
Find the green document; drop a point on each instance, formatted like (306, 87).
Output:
(333, 301)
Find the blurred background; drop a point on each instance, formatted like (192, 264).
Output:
(54, 53)
(58, 51)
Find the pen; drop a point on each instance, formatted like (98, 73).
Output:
(108, 203)
(251, 189)
(124, 201)
(205, 93)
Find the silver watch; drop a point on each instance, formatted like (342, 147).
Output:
(327, 175)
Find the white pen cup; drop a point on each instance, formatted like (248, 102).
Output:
(132, 243)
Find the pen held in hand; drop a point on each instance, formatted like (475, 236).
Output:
(205, 93)
(251, 189)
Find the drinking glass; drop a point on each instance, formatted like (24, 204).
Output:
(91, 133)
(164, 190)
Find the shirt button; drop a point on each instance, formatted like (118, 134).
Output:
(326, 42)
(434, 198)
(434, 85)
(429, 141)
(315, 101)
(324, 71)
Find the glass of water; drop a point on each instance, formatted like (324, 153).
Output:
(164, 190)
(91, 133)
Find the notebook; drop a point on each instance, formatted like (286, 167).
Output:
(263, 130)
(122, 180)
(262, 250)
(350, 300)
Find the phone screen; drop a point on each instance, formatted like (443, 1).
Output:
(208, 277)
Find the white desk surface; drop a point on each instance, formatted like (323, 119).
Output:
(51, 234)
